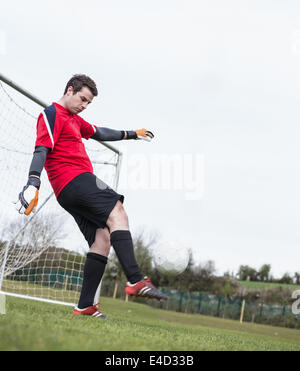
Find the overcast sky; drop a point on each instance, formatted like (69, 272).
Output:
(217, 82)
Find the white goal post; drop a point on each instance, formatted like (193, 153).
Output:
(41, 256)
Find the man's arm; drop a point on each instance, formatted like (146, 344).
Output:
(108, 135)
(38, 161)
(28, 198)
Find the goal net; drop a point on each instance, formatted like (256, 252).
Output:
(41, 256)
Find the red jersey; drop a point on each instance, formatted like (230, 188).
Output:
(62, 132)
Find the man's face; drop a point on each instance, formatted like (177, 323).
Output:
(79, 101)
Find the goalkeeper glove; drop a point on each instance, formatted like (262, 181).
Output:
(28, 198)
(140, 134)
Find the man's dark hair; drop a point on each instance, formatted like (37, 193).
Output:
(80, 81)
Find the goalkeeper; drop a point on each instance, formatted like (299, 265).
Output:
(97, 209)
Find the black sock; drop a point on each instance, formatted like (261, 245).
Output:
(123, 246)
(93, 271)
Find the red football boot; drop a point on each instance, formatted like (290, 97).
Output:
(93, 311)
(144, 289)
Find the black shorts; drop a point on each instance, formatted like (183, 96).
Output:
(89, 201)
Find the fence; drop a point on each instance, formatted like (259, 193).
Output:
(213, 305)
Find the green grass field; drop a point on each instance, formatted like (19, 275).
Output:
(31, 325)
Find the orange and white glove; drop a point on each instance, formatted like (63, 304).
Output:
(143, 134)
(29, 197)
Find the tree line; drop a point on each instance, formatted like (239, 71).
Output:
(263, 274)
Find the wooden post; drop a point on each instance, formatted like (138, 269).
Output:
(242, 311)
(66, 282)
(115, 290)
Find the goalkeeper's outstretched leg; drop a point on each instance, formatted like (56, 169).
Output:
(121, 240)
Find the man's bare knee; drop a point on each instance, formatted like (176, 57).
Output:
(118, 218)
(118, 213)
